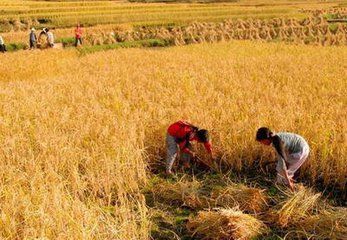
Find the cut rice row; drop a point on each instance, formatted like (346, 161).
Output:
(244, 213)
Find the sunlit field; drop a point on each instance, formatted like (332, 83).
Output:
(166, 24)
(82, 130)
(78, 133)
(18, 14)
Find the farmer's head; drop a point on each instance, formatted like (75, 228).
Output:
(203, 135)
(264, 136)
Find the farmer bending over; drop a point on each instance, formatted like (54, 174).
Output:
(179, 135)
(292, 151)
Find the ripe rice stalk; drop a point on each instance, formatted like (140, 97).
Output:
(28, 23)
(99, 41)
(200, 39)
(296, 207)
(128, 37)
(18, 25)
(191, 39)
(122, 28)
(177, 42)
(107, 41)
(252, 200)
(225, 224)
(328, 224)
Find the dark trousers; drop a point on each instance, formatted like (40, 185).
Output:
(3, 48)
(32, 44)
(78, 41)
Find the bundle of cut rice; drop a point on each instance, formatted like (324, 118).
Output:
(225, 224)
(184, 193)
(296, 207)
(248, 199)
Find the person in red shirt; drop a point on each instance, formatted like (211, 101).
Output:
(78, 35)
(179, 135)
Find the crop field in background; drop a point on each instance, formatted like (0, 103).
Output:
(77, 133)
(307, 23)
(18, 15)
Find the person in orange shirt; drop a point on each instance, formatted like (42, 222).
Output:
(78, 35)
(179, 135)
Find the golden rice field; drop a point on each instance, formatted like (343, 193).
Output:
(312, 30)
(79, 133)
(19, 15)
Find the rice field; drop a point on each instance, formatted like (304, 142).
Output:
(314, 28)
(82, 133)
(20, 15)
(78, 134)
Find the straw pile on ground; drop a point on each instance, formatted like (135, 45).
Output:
(225, 224)
(248, 199)
(302, 214)
(296, 207)
(193, 194)
(183, 193)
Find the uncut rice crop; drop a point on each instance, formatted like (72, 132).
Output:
(66, 13)
(77, 132)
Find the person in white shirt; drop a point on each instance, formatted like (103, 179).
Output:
(292, 151)
(50, 38)
(2, 45)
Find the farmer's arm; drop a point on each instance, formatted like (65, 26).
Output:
(284, 172)
(184, 148)
(208, 147)
(282, 161)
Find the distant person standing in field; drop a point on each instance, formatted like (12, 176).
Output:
(50, 38)
(78, 35)
(32, 39)
(179, 136)
(2, 45)
(292, 151)
(42, 40)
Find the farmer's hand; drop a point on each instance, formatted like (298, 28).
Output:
(291, 185)
(169, 173)
(186, 165)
